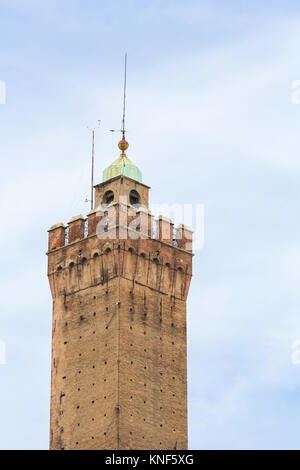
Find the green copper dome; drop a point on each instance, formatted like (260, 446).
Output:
(122, 166)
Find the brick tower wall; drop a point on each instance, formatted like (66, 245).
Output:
(119, 343)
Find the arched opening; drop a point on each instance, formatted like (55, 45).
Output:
(134, 197)
(108, 197)
(142, 266)
(179, 286)
(167, 277)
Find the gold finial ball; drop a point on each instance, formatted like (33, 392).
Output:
(123, 145)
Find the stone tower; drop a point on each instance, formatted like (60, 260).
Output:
(119, 283)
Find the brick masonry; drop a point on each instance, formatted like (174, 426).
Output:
(119, 376)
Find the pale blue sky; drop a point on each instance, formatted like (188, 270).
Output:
(210, 121)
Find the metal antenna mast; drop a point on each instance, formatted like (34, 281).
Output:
(124, 98)
(124, 102)
(92, 129)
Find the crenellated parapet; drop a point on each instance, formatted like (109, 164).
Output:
(120, 240)
(56, 237)
(144, 262)
(120, 221)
